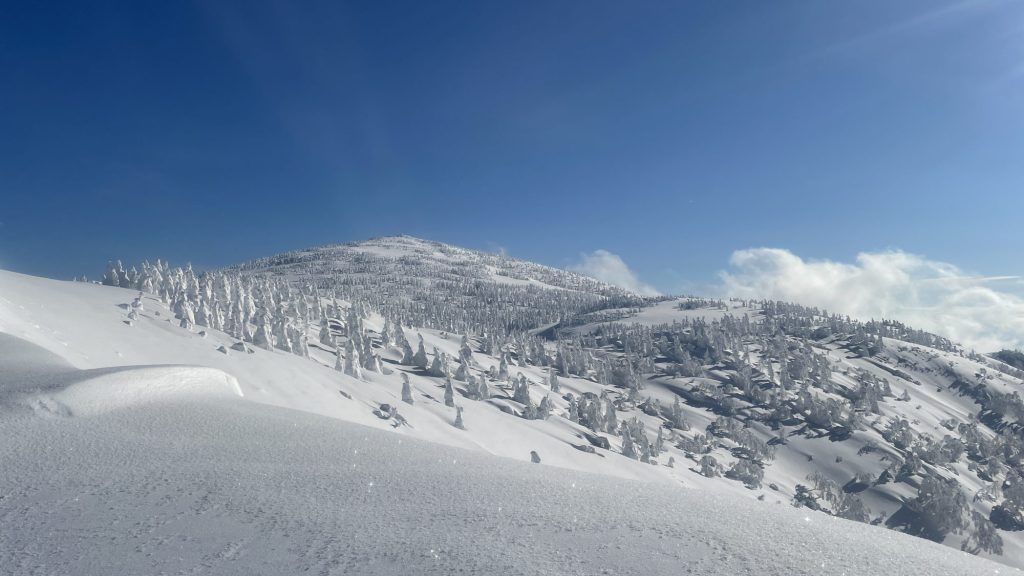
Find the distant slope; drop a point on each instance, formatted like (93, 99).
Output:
(213, 484)
(437, 285)
(1014, 358)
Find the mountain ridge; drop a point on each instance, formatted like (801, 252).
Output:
(416, 269)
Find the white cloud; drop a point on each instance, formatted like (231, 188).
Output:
(608, 267)
(926, 294)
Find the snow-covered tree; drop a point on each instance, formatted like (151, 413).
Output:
(352, 365)
(439, 367)
(326, 337)
(420, 358)
(708, 466)
(941, 506)
(406, 389)
(449, 393)
(628, 449)
(544, 408)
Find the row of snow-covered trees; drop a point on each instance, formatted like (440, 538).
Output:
(265, 312)
(803, 321)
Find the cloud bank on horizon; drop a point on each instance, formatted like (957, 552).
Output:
(925, 294)
(610, 268)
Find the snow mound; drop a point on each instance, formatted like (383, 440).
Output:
(135, 386)
(34, 377)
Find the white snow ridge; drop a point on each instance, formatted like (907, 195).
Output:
(381, 408)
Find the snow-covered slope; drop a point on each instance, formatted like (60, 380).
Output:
(436, 285)
(748, 400)
(86, 325)
(435, 261)
(197, 480)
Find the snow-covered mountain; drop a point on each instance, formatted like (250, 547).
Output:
(437, 285)
(727, 437)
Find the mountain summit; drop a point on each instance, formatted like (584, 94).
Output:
(438, 285)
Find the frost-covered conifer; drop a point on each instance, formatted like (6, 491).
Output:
(352, 365)
(406, 389)
(677, 416)
(573, 409)
(204, 316)
(942, 505)
(281, 329)
(708, 466)
(439, 367)
(449, 393)
(465, 351)
(371, 361)
(326, 338)
(481, 388)
(462, 373)
(645, 450)
(458, 418)
(628, 449)
(354, 322)
(420, 359)
(386, 333)
(217, 316)
(611, 423)
(114, 274)
(503, 369)
(408, 357)
(521, 390)
(300, 343)
(247, 333)
(262, 337)
(561, 362)
(188, 320)
(544, 408)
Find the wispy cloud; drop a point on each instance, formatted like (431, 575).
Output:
(949, 13)
(926, 294)
(610, 268)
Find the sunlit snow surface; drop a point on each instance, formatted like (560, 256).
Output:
(120, 455)
(203, 481)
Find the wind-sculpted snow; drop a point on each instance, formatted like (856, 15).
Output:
(220, 485)
(32, 377)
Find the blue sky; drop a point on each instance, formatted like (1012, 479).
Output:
(670, 134)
